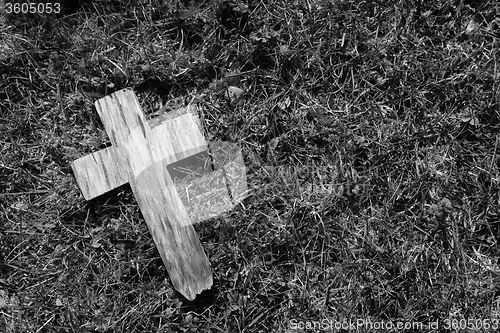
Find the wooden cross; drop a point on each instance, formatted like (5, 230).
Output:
(139, 155)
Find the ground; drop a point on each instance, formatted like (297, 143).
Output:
(369, 131)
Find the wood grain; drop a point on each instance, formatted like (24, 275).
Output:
(139, 155)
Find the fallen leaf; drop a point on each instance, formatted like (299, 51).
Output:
(285, 104)
(234, 94)
(471, 26)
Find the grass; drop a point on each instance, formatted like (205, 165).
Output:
(369, 132)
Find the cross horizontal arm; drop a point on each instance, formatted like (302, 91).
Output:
(100, 172)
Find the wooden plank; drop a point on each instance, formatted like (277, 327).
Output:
(99, 172)
(140, 156)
